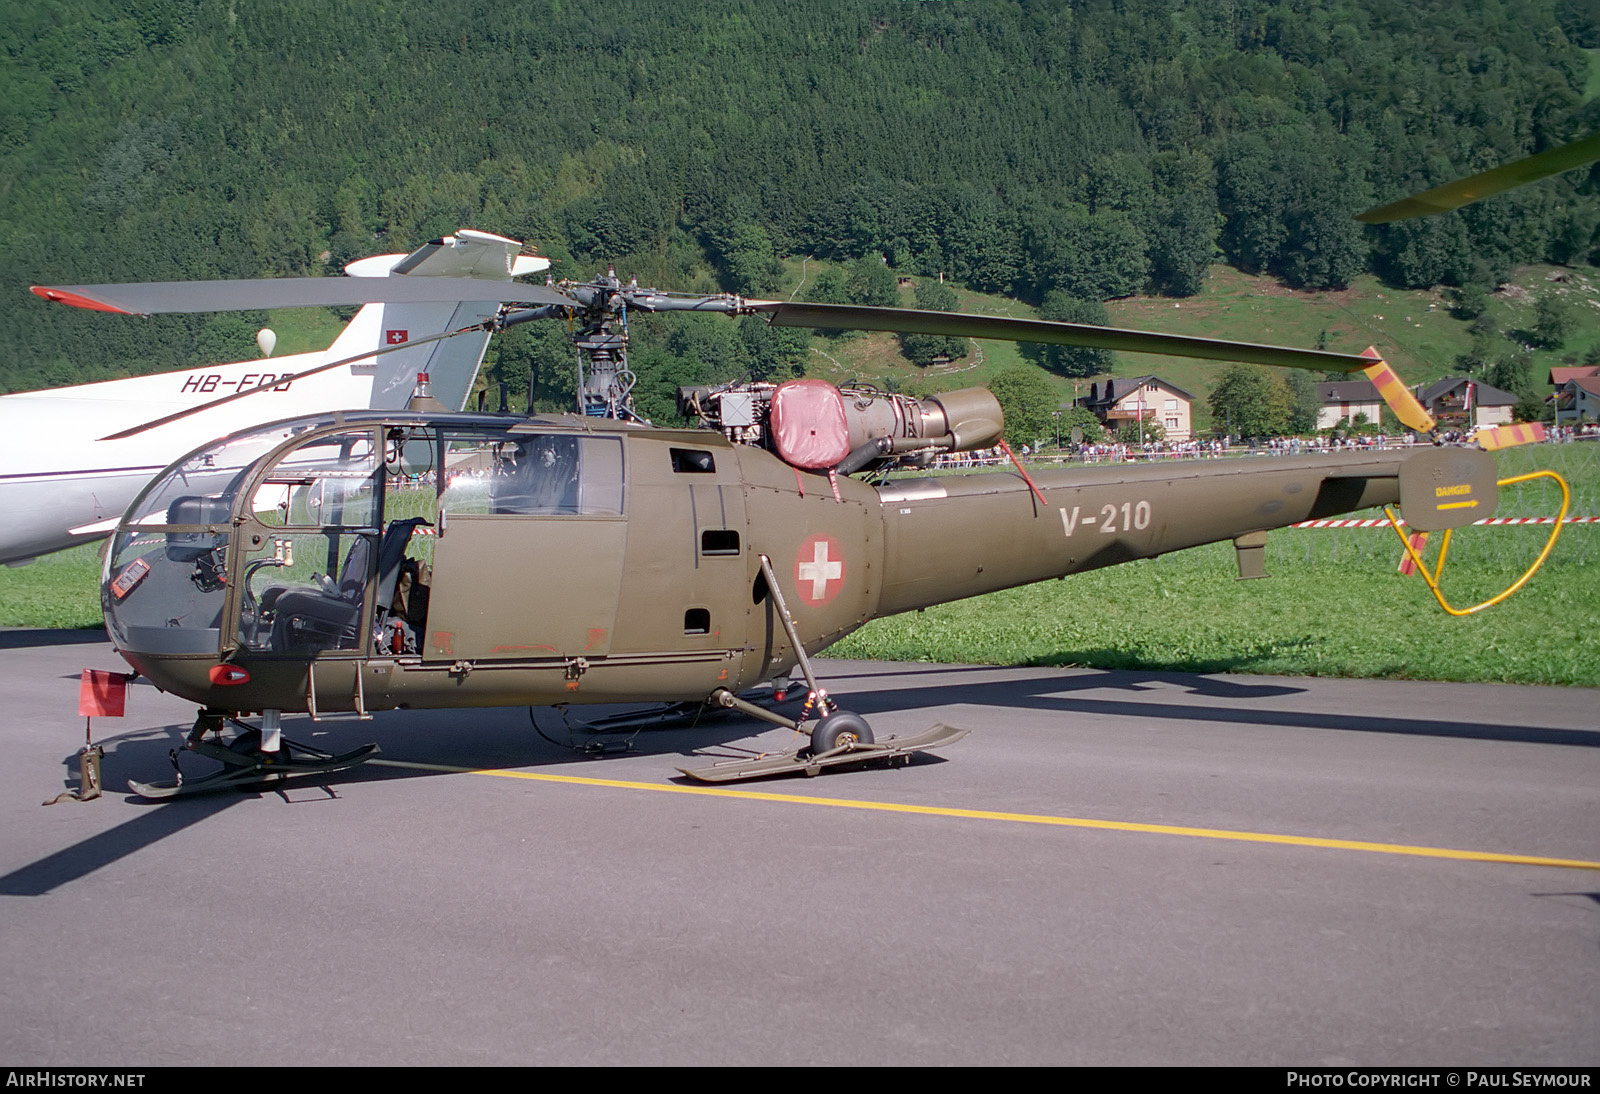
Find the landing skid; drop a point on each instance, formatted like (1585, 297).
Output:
(802, 761)
(245, 765)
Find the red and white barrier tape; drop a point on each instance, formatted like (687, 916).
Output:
(1382, 523)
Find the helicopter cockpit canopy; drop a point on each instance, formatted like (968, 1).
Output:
(317, 537)
(165, 584)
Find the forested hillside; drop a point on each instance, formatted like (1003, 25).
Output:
(1097, 148)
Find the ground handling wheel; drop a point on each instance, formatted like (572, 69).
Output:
(838, 729)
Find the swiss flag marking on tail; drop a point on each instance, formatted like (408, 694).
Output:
(395, 337)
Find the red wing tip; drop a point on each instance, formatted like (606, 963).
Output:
(61, 296)
(1372, 352)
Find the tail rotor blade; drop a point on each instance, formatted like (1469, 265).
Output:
(1509, 436)
(1396, 394)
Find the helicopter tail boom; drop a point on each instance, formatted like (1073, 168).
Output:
(938, 532)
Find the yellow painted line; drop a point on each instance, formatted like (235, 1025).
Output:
(1015, 818)
(1458, 505)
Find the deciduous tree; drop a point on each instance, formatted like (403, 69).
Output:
(1027, 400)
(1249, 401)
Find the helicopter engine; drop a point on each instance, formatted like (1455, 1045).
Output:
(814, 425)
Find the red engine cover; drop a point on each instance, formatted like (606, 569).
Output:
(808, 425)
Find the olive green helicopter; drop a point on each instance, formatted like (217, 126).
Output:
(341, 563)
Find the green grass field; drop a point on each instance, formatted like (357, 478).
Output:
(301, 330)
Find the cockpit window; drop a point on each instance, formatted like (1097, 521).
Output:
(167, 568)
(167, 581)
(303, 587)
(215, 472)
(328, 482)
(170, 569)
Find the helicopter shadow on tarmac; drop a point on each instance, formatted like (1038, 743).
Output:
(468, 739)
(1060, 691)
(146, 828)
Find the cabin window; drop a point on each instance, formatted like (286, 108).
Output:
(693, 461)
(719, 541)
(557, 474)
(530, 474)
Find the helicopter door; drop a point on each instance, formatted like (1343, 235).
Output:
(687, 577)
(309, 549)
(528, 551)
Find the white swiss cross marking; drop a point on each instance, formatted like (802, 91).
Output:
(395, 337)
(819, 570)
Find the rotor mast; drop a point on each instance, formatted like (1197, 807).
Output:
(599, 313)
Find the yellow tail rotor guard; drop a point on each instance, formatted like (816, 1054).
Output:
(1432, 577)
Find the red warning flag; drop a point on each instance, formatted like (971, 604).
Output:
(102, 694)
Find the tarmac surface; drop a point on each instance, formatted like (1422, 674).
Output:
(1114, 868)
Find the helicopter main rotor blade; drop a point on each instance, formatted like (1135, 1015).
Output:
(962, 325)
(151, 297)
(1453, 195)
(134, 431)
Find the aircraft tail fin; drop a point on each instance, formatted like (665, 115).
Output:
(451, 364)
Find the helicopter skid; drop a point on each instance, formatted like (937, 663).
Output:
(800, 761)
(254, 769)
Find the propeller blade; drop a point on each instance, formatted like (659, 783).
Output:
(1453, 195)
(910, 321)
(134, 431)
(1396, 394)
(150, 297)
